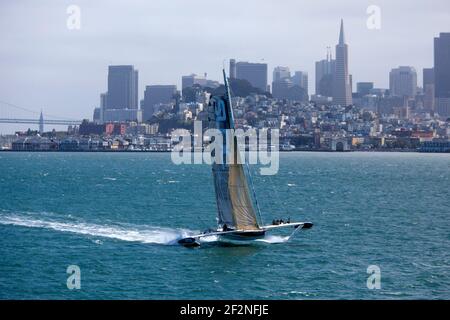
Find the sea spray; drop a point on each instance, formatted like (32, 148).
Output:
(143, 234)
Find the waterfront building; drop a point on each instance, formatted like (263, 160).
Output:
(34, 143)
(435, 146)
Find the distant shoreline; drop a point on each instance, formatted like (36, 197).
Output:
(153, 151)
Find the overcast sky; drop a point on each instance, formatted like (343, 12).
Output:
(45, 65)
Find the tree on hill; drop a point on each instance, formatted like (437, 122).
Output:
(190, 93)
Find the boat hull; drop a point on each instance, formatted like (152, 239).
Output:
(242, 238)
(189, 242)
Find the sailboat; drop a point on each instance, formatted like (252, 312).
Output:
(238, 215)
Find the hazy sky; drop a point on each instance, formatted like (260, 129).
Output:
(45, 65)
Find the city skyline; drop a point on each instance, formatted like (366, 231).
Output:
(60, 73)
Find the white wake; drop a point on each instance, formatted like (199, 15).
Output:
(273, 239)
(149, 235)
(134, 233)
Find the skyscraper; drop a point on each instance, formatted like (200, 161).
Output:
(232, 68)
(122, 87)
(255, 73)
(190, 80)
(442, 73)
(285, 89)
(428, 76)
(281, 88)
(157, 94)
(300, 78)
(103, 100)
(428, 88)
(324, 76)
(403, 82)
(342, 93)
(363, 88)
(280, 73)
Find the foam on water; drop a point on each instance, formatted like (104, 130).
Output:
(143, 234)
(273, 239)
(134, 233)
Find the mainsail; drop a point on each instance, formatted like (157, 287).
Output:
(234, 201)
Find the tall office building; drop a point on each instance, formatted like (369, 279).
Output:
(442, 74)
(155, 95)
(190, 80)
(342, 92)
(122, 87)
(232, 69)
(403, 82)
(120, 102)
(300, 78)
(428, 88)
(428, 76)
(280, 73)
(324, 76)
(255, 73)
(363, 88)
(285, 89)
(281, 88)
(103, 100)
(102, 108)
(293, 88)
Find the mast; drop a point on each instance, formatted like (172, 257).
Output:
(234, 201)
(227, 93)
(248, 173)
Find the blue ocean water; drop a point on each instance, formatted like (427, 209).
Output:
(118, 216)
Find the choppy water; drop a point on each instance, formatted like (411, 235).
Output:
(118, 216)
